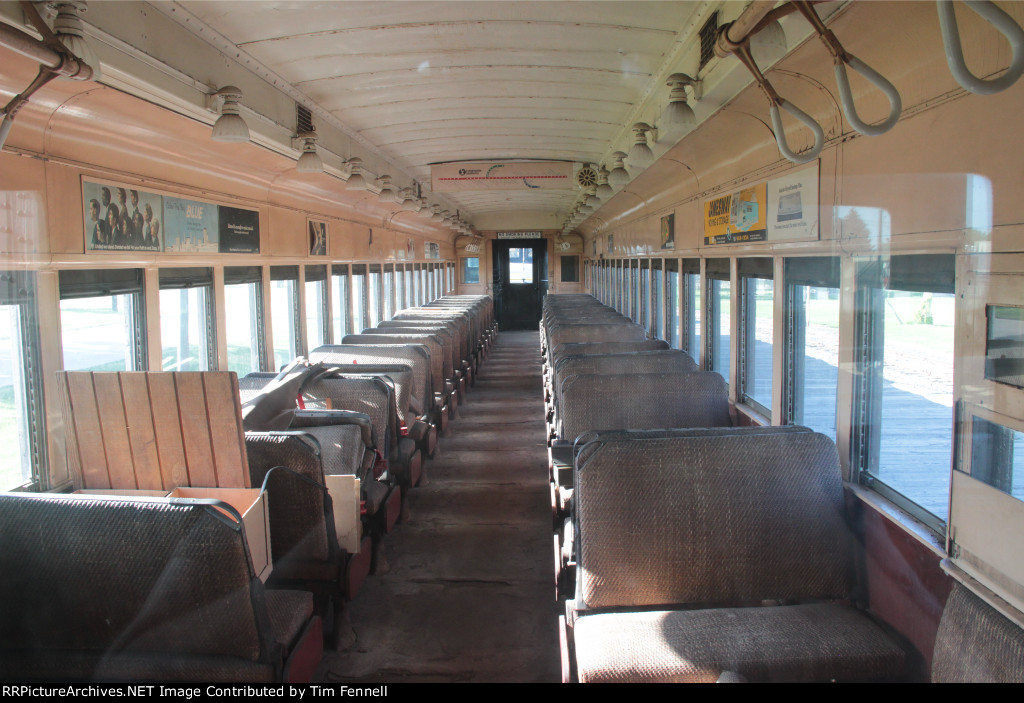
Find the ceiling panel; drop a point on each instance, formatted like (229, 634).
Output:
(429, 82)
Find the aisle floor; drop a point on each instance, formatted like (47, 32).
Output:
(470, 594)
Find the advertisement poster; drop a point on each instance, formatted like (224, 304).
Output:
(431, 250)
(190, 227)
(793, 205)
(781, 209)
(611, 244)
(121, 219)
(741, 216)
(668, 231)
(239, 230)
(318, 238)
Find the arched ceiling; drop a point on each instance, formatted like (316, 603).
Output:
(435, 82)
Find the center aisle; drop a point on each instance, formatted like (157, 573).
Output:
(470, 594)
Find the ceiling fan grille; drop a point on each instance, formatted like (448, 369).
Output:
(586, 177)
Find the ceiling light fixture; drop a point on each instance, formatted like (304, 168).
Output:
(678, 117)
(618, 176)
(69, 29)
(355, 179)
(310, 161)
(640, 155)
(387, 192)
(230, 127)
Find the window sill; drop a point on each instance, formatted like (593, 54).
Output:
(746, 416)
(930, 539)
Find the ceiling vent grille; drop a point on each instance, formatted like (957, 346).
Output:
(708, 36)
(303, 119)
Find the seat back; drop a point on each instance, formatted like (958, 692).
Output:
(642, 401)
(106, 587)
(153, 430)
(724, 519)
(976, 643)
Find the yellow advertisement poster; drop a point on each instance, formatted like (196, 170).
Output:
(741, 216)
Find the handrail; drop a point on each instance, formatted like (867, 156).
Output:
(880, 82)
(780, 134)
(842, 58)
(775, 101)
(955, 55)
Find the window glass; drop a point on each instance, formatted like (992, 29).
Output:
(470, 269)
(316, 314)
(416, 288)
(373, 302)
(693, 311)
(657, 285)
(903, 396)
(339, 282)
(520, 265)
(997, 456)
(284, 306)
(358, 298)
(758, 294)
(570, 269)
(917, 397)
(244, 302)
(101, 333)
(814, 359)
(15, 413)
(721, 321)
(672, 302)
(185, 328)
(389, 292)
(401, 303)
(645, 296)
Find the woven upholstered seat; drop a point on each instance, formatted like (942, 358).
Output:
(123, 589)
(976, 644)
(819, 642)
(642, 401)
(708, 529)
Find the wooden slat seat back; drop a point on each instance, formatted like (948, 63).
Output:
(154, 430)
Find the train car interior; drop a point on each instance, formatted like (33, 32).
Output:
(358, 342)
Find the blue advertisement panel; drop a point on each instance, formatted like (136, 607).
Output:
(190, 226)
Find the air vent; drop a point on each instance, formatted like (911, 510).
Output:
(303, 119)
(708, 36)
(586, 177)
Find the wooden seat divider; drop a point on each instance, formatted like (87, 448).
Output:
(153, 430)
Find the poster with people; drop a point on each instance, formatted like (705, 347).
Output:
(317, 238)
(668, 231)
(120, 218)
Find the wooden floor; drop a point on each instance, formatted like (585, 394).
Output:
(470, 594)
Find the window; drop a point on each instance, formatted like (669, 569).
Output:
(102, 321)
(243, 298)
(339, 282)
(389, 291)
(416, 287)
(719, 331)
(903, 398)
(756, 328)
(672, 302)
(284, 312)
(186, 320)
(997, 456)
(570, 269)
(358, 298)
(645, 311)
(470, 269)
(316, 307)
(691, 307)
(520, 265)
(400, 287)
(811, 374)
(22, 430)
(374, 296)
(657, 287)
